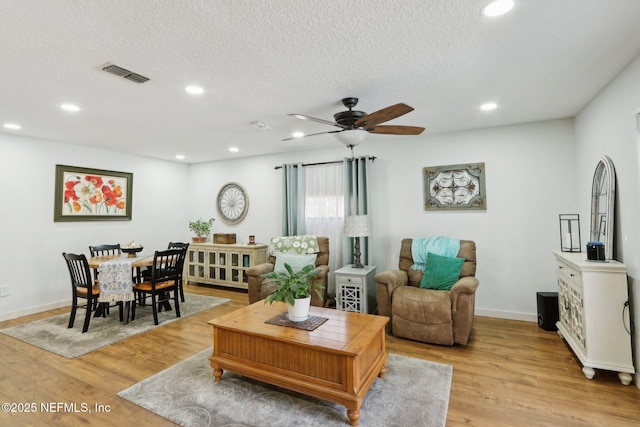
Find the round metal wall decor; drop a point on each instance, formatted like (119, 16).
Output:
(232, 203)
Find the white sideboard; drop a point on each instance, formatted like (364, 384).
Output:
(594, 313)
(224, 265)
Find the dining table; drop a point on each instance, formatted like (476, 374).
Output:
(116, 278)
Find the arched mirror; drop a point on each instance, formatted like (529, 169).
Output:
(603, 195)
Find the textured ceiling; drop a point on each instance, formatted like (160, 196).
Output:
(262, 59)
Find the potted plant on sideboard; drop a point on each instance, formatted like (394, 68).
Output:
(294, 288)
(201, 229)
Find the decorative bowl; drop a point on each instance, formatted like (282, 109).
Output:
(131, 251)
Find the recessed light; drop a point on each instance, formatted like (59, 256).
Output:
(497, 8)
(180, 156)
(234, 149)
(70, 107)
(297, 134)
(194, 90)
(12, 126)
(489, 106)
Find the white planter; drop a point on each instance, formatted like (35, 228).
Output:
(299, 312)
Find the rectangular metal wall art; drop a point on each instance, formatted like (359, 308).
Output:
(454, 187)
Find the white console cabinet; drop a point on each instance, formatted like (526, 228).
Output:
(223, 265)
(594, 313)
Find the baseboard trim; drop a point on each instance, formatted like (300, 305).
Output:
(34, 310)
(507, 315)
(479, 312)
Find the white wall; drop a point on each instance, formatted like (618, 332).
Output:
(529, 177)
(529, 171)
(32, 244)
(608, 126)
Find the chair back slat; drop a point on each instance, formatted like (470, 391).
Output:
(79, 271)
(184, 247)
(177, 245)
(102, 250)
(166, 265)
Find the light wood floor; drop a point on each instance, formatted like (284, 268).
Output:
(511, 374)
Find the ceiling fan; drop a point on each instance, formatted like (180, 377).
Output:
(355, 126)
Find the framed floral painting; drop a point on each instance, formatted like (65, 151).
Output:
(454, 187)
(83, 194)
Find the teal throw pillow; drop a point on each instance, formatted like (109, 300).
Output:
(296, 261)
(441, 272)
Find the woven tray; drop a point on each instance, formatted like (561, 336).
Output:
(310, 324)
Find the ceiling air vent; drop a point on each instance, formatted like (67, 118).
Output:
(124, 73)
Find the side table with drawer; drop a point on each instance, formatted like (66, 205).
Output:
(356, 290)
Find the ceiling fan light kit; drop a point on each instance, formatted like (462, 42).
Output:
(357, 125)
(352, 137)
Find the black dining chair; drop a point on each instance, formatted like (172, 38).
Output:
(164, 280)
(146, 274)
(184, 247)
(84, 288)
(103, 250)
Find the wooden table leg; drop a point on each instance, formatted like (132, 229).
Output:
(383, 371)
(164, 304)
(354, 416)
(217, 374)
(126, 308)
(100, 310)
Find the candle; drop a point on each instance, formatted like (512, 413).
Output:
(567, 240)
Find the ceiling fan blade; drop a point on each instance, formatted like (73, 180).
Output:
(313, 119)
(311, 134)
(384, 115)
(396, 130)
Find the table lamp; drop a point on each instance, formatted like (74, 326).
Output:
(356, 226)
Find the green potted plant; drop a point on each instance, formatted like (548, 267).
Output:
(294, 288)
(201, 229)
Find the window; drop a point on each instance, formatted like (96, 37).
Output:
(324, 210)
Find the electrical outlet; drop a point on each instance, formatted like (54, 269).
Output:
(4, 291)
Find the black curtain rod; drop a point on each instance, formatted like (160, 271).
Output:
(372, 158)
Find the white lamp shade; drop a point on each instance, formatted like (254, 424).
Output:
(352, 136)
(356, 226)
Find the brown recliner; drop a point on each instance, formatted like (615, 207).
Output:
(258, 292)
(427, 315)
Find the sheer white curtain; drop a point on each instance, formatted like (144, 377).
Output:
(324, 211)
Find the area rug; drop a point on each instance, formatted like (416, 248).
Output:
(53, 335)
(413, 393)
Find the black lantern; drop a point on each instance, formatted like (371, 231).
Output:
(570, 233)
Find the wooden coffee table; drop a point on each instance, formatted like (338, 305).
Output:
(337, 362)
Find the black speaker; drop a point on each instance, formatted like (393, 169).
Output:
(547, 310)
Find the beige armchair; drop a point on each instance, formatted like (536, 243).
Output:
(427, 315)
(258, 292)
